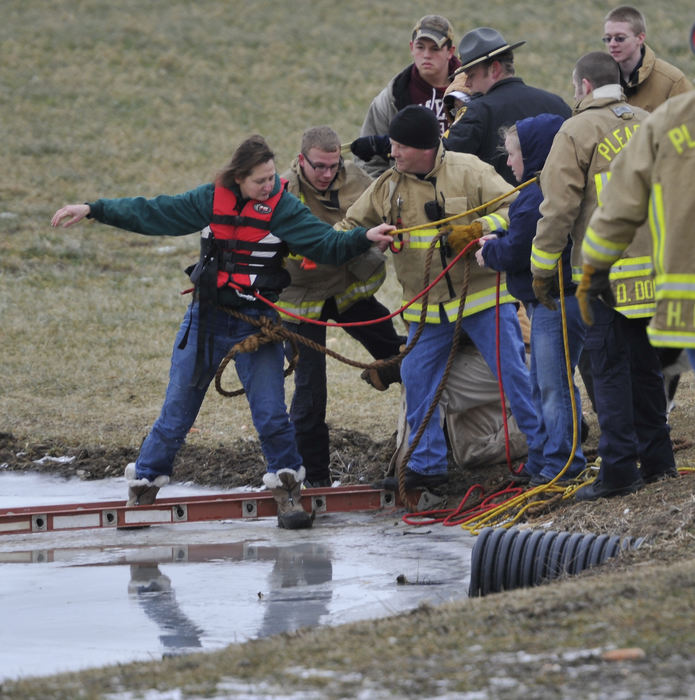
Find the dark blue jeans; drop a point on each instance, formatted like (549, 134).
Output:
(551, 391)
(630, 398)
(260, 374)
(308, 408)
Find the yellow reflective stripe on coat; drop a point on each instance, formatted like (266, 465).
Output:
(600, 180)
(307, 309)
(360, 289)
(657, 225)
(674, 286)
(421, 238)
(671, 339)
(594, 247)
(632, 267)
(495, 222)
(636, 310)
(484, 299)
(543, 260)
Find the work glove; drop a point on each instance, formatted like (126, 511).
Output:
(366, 147)
(546, 289)
(459, 236)
(594, 285)
(382, 377)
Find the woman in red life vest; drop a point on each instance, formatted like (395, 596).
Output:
(248, 223)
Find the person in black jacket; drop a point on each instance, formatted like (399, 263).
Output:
(499, 98)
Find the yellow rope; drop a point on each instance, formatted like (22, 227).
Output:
(485, 205)
(509, 512)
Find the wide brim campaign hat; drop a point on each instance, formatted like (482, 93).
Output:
(480, 44)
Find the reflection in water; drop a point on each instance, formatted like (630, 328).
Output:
(297, 598)
(156, 597)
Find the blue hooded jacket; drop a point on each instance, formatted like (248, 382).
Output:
(511, 252)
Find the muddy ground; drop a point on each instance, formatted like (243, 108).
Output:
(622, 630)
(656, 512)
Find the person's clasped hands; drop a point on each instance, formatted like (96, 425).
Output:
(481, 242)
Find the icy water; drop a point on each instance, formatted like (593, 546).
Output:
(84, 598)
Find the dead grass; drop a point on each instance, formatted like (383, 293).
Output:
(127, 99)
(115, 99)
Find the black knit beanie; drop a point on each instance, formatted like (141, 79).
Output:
(415, 126)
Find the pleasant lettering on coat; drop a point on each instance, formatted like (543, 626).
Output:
(680, 138)
(614, 142)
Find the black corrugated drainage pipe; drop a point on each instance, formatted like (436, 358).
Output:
(505, 559)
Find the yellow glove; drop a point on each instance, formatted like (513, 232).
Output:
(459, 236)
(594, 284)
(545, 289)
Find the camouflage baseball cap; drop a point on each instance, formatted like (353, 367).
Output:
(434, 27)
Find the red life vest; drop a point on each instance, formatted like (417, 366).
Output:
(247, 254)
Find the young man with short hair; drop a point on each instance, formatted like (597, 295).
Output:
(646, 80)
(344, 293)
(423, 82)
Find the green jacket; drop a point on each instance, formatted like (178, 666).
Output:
(190, 212)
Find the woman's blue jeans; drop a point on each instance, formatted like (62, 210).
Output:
(260, 373)
(551, 392)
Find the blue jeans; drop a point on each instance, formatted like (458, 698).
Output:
(551, 392)
(308, 407)
(260, 373)
(630, 398)
(423, 368)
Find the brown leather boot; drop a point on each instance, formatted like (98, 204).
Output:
(286, 485)
(142, 492)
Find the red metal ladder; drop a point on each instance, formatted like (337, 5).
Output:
(252, 504)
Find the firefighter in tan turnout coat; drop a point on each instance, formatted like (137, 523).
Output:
(426, 184)
(628, 386)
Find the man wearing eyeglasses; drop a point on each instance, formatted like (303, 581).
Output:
(647, 81)
(344, 293)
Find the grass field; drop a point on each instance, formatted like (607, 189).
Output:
(132, 98)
